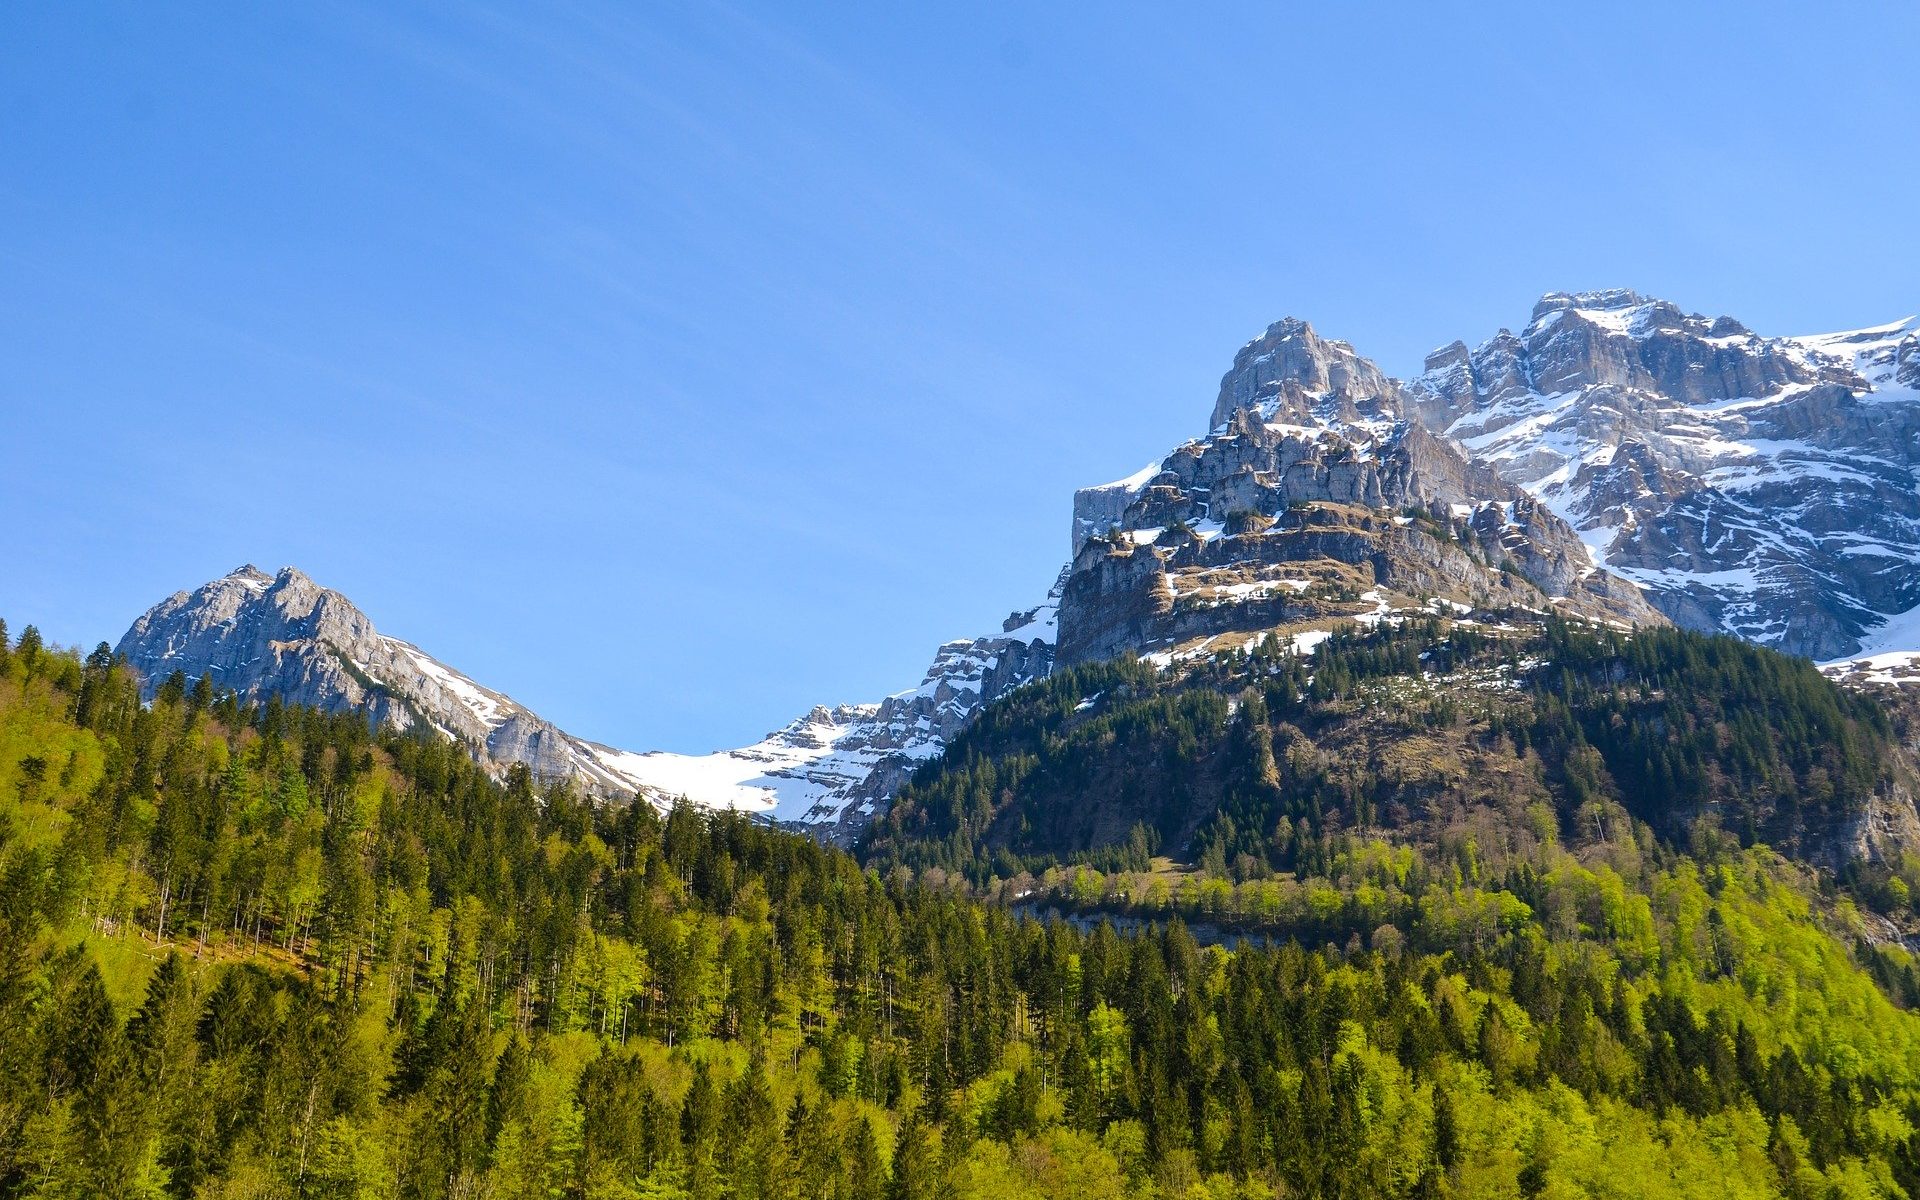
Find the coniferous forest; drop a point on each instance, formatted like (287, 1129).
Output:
(1575, 923)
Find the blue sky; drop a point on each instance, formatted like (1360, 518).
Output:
(675, 367)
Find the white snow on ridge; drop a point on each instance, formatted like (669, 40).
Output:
(1890, 653)
(1563, 440)
(1901, 667)
(785, 776)
(1139, 479)
(816, 769)
(489, 707)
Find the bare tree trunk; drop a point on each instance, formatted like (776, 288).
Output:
(166, 893)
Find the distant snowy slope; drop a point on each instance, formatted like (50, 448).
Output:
(833, 768)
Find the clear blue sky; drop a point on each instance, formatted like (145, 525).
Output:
(674, 367)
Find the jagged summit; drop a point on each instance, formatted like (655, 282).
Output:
(1317, 498)
(1278, 371)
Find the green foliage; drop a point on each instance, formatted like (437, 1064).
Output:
(269, 952)
(1259, 765)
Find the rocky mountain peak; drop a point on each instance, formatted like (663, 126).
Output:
(1760, 485)
(1290, 370)
(1316, 500)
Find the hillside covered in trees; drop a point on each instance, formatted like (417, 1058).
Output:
(1433, 735)
(1569, 925)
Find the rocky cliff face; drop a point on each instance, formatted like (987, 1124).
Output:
(1764, 486)
(284, 635)
(1316, 498)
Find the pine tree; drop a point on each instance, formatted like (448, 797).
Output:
(699, 1135)
(28, 649)
(1446, 1132)
(752, 1154)
(865, 1174)
(163, 1031)
(914, 1165)
(507, 1101)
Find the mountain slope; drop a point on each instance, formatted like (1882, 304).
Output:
(286, 636)
(1764, 486)
(1433, 739)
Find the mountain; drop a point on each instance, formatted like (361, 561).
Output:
(1762, 486)
(1295, 846)
(832, 769)
(1619, 461)
(284, 635)
(1316, 499)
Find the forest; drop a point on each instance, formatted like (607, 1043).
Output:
(1264, 763)
(1569, 925)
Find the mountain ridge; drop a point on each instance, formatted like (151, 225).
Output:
(1608, 463)
(285, 635)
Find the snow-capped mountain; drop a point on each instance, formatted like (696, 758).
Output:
(1614, 453)
(1764, 486)
(284, 635)
(1315, 500)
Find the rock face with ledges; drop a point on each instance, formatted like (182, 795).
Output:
(1316, 482)
(1763, 486)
